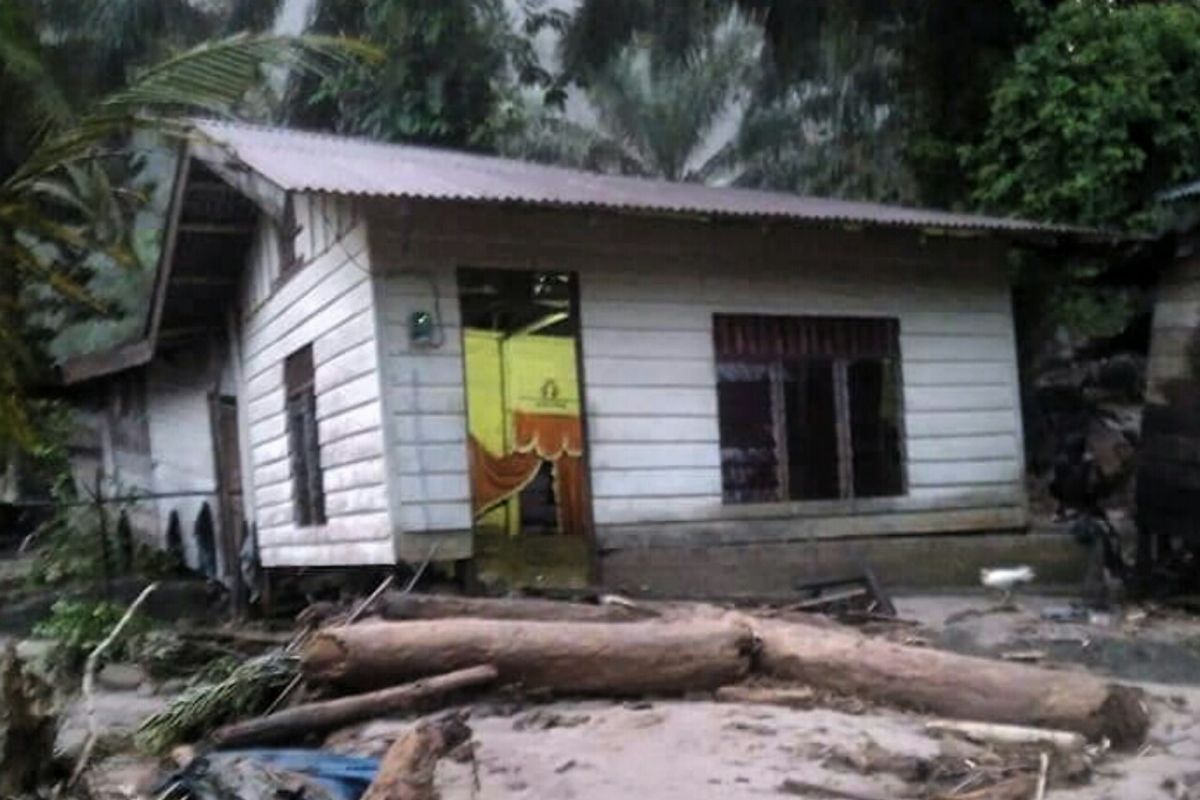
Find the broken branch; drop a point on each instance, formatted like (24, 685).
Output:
(295, 723)
(89, 682)
(1008, 734)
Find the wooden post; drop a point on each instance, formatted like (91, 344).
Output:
(230, 524)
(102, 532)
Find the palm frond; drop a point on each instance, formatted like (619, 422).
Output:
(60, 217)
(245, 690)
(210, 79)
(215, 76)
(665, 112)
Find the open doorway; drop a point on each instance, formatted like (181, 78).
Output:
(530, 504)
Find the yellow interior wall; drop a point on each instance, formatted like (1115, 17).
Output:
(485, 388)
(525, 372)
(533, 364)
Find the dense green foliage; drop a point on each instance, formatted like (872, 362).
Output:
(1099, 112)
(446, 72)
(77, 626)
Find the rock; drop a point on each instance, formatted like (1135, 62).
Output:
(121, 677)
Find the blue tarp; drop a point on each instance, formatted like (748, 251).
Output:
(252, 774)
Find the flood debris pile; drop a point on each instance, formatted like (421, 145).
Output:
(1005, 729)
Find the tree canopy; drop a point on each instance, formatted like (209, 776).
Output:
(446, 71)
(1078, 111)
(1096, 115)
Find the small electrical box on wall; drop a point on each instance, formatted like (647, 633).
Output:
(422, 329)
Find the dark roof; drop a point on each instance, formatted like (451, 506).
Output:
(299, 161)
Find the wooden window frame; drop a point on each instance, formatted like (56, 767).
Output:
(775, 369)
(304, 446)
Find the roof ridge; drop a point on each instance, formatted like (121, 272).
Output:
(432, 172)
(438, 150)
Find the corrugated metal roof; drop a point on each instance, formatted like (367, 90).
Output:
(300, 161)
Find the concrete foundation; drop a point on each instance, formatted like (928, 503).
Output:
(925, 562)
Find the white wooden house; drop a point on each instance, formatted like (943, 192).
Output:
(756, 376)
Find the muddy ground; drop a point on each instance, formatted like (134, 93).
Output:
(698, 748)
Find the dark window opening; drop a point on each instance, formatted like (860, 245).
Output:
(539, 506)
(809, 408)
(308, 493)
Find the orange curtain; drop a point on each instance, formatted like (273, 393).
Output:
(494, 479)
(538, 437)
(568, 493)
(549, 435)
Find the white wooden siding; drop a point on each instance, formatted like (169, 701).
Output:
(426, 407)
(328, 303)
(648, 292)
(181, 443)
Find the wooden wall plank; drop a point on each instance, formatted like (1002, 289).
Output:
(648, 297)
(327, 303)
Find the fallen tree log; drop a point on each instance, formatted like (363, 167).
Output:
(397, 606)
(590, 658)
(407, 770)
(295, 723)
(951, 685)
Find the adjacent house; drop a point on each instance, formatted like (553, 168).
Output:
(1168, 473)
(374, 353)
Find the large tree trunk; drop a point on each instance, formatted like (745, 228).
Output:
(398, 606)
(295, 723)
(951, 685)
(592, 658)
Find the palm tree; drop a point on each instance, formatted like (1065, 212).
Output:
(839, 132)
(654, 117)
(822, 114)
(60, 213)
